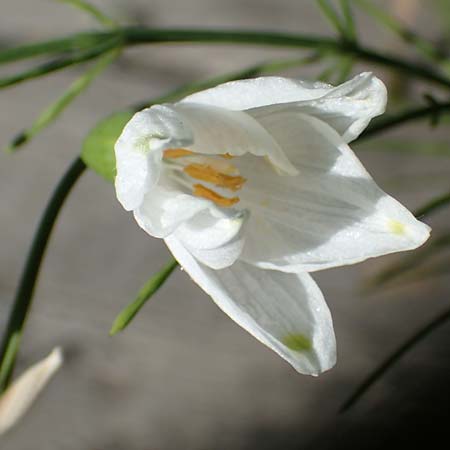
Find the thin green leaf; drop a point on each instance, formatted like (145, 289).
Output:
(98, 15)
(344, 69)
(71, 59)
(433, 205)
(392, 359)
(411, 263)
(23, 298)
(53, 111)
(149, 288)
(75, 43)
(98, 147)
(408, 146)
(434, 270)
(391, 23)
(349, 21)
(331, 14)
(387, 122)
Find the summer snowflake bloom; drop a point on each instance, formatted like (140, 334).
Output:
(252, 186)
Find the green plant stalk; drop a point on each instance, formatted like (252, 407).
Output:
(349, 21)
(433, 205)
(141, 35)
(74, 43)
(424, 47)
(440, 320)
(98, 15)
(392, 272)
(149, 288)
(387, 123)
(128, 36)
(56, 108)
(24, 294)
(330, 13)
(62, 62)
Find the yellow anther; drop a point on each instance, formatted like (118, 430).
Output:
(172, 153)
(205, 172)
(202, 191)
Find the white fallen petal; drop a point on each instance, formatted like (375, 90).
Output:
(286, 312)
(18, 398)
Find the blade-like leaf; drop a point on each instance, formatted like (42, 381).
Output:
(413, 262)
(331, 14)
(391, 23)
(76, 43)
(54, 110)
(348, 19)
(149, 288)
(87, 7)
(113, 42)
(404, 145)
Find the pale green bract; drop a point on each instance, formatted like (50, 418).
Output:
(252, 185)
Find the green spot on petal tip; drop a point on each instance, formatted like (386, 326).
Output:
(396, 227)
(297, 342)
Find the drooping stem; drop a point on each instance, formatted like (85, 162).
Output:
(433, 205)
(385, 124)
(421, 334)
(22, 301)
(141, 35)
(128, 36)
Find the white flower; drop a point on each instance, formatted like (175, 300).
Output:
(252, 185)
(18, 398)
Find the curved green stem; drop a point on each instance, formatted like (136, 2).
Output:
(24, 295)
(433, 205)
(73, 43)
(387, 123)
(393, 358)
(62, 62)
(142, 35)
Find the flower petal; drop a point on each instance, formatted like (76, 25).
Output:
(216, 241)
(163, 210)
(286, 312)
(219, 131)
(348, 108)
(18, 398)
(256, 92)
(139, 151)
(331, 214)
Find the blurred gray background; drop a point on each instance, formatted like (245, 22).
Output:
(183, 375)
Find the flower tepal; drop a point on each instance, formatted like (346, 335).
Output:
(253, 186)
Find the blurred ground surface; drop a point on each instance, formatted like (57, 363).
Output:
(183, 376)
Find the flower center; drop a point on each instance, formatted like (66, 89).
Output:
(189, 166)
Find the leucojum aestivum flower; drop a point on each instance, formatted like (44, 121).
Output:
(253, 186)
